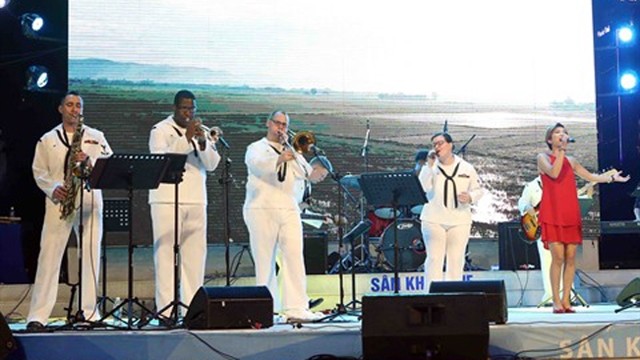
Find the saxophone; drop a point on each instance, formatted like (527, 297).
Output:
(73, 173)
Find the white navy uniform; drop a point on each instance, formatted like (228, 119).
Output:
(272, 215)
(530, 198)
(167, 137)
(49, 171)
(446, 224)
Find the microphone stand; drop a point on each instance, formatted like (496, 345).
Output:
(226, 179)
(365, 148)
(463, 148)
(462, 151)
(341, 307)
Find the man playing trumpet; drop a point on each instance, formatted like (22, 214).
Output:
(181, 133)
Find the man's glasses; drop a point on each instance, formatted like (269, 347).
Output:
(279, 123)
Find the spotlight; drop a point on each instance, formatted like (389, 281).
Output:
(37, 77)
(4, 3)
(31, 24)
(625, 34)
(629, 81)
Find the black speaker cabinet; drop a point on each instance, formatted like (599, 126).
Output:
(494, 290)
(619, 251)
(630, 293)
(234, 307)
(433, 326)
(515, 252)
(7, 341)
(315, 252)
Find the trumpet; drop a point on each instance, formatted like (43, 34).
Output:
(211, 133)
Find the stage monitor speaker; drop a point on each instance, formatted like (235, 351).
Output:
(630, 293)
(494, 290)
(7, 341)
(515, 251)
(433, 326)
(234, 307)
(315, 252)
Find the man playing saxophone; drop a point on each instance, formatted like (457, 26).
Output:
(182, 133)
(62, 154)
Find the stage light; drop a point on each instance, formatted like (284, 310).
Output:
(629, 81)
(4, 3)
(37, 77)
(625, 34)
(31, 24)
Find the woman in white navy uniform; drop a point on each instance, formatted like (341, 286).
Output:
(181, 133)
(49, 173)
(272, 215)
(452, 186)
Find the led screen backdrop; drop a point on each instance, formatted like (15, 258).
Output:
(502, 70)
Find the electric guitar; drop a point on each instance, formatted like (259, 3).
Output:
(529, 223)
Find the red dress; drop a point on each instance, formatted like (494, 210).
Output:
(559, 215)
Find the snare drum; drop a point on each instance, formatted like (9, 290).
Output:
(411, 249)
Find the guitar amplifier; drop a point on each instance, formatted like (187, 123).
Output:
(315, 252)
(515, 251)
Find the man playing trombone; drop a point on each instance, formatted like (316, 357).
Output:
(272, 215)
(182, 133)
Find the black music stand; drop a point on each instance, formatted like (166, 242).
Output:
(393, 190)
(130, 172)
(173, 175)
(115, 218)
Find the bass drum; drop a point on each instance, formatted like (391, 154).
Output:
(411, 249)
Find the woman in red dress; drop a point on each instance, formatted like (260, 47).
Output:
(560, 211)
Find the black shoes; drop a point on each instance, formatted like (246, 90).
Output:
(35, 326)
(315, 302)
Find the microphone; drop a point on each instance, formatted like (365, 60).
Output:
(224, 142)
(571, 140)
(366, 140)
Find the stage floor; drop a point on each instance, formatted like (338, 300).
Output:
(594, 332)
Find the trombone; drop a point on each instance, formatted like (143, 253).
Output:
(303, 143)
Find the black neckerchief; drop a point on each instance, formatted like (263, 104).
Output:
(62, 135)
(282, 172)
(446, 185)
(195, 150)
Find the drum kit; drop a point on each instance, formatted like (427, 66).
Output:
(378, 246)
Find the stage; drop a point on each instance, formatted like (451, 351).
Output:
(593, 332)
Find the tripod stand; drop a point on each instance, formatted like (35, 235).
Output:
(130, 172)
(341, 307)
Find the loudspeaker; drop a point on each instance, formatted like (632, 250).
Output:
(433, 326)
(619, 251)
(494, 290)
(236, 307)
(515, 252)
(630, 293)
(315, 252)
(7, 342)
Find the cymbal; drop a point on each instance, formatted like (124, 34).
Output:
(351, 182)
